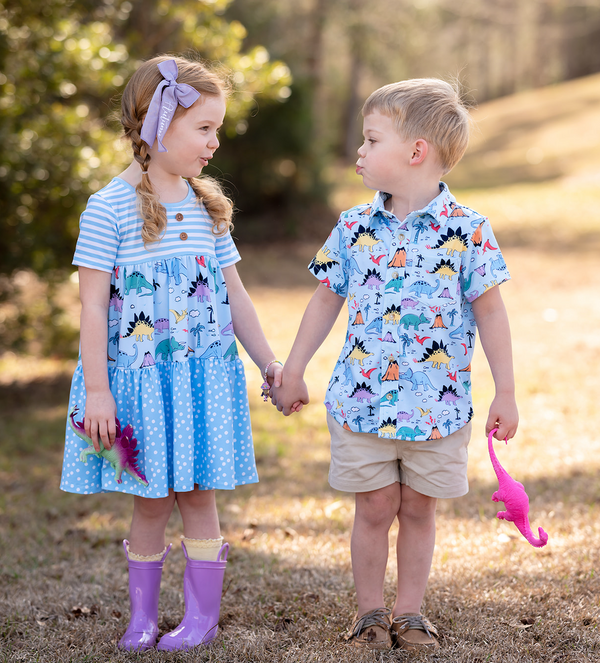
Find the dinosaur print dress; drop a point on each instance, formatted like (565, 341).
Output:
(173, 364)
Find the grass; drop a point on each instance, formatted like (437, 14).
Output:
(288, 589)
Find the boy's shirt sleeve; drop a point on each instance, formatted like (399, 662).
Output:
(483, 265)
(98, 241)
(328, 265)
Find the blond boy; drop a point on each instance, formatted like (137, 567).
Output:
(420, 275)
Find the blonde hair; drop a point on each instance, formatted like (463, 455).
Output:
(134, 106)
(426, 108)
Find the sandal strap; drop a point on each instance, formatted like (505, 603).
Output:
(415, 623)
(377, 617)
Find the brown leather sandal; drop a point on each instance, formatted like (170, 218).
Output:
(372, 630)
(413, 631)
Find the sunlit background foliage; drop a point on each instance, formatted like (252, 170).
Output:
(300, 72)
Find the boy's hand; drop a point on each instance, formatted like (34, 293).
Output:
(291, 396)
(504, 416)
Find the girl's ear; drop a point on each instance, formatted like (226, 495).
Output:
(420, 149)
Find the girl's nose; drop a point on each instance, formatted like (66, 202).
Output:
(360, 151)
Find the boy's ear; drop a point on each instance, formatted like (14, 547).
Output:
(420, 149)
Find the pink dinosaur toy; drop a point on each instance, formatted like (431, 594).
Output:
(515, 499)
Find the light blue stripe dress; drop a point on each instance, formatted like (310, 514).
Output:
(173, 364)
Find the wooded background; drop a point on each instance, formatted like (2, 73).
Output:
(300, 71)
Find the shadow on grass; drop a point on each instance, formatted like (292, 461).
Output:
(74, 606)
(32, 456)
(40, 392)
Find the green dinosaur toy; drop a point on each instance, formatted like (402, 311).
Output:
(122, 455)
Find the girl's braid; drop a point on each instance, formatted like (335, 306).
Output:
(219, 207)
(151, 211)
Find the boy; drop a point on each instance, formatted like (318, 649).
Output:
(420, 273)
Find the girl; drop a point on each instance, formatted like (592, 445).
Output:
(161, 299)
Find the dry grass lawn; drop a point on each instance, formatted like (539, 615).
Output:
(288, 589)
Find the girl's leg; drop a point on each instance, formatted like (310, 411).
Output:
(198, 510)
(145, 556)
(204, 571)
(375, 513)
(416, 542)
(148, 524)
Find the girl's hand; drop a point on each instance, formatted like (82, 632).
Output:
(99, 420)
(274, 374)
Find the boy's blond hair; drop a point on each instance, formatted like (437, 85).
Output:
(426, 108)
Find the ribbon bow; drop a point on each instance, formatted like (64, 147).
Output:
(167, 95)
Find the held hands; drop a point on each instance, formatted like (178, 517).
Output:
(99, 420)
(504, 416)
(290, 395)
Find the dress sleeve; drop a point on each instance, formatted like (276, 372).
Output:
(483, 263)
(226, 251)
(330, 262)
(98, 240)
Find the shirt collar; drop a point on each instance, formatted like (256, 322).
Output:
(439, 208)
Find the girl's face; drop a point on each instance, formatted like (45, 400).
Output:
(191, 139)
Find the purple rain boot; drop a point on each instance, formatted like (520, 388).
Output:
(144, 588)
(202, 588)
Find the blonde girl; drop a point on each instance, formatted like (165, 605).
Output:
(159, 381)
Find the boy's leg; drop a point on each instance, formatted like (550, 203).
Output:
(416, 543)
(415, 546)
(375, 513)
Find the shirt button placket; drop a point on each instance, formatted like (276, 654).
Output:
(390, 351)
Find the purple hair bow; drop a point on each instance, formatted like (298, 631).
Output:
(167, 95)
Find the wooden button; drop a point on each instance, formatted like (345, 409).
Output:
(179, 216)
(183, 236)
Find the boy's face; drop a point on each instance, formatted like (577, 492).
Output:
(384, 157)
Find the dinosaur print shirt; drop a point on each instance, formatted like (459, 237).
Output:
(405, 368)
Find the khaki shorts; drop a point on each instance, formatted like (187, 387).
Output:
(361, 462)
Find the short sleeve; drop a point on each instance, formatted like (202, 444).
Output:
(98, 240)
(329, 263)
(483, 264)
(226, 251)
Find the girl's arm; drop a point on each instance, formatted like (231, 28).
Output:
(494, 332)
(247, 326)
(100, 407)
(320, 315)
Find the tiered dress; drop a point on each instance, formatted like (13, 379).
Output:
(173, 364)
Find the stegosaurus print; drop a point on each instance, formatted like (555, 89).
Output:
(140, 326)
(454, 241)
(322, 261)
(444, 268)
(437, 354)
(358, 353)
(372, 279)
(363, 392)
(364, 237)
